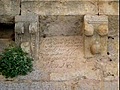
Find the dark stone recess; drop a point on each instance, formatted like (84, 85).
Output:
(7, 31)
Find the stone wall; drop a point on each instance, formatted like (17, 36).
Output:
(54, 29)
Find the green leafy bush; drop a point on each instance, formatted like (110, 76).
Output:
(14, 61)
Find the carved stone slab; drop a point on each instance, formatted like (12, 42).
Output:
(95, 35)
(27, 33)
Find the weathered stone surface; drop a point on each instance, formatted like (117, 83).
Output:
(109, 8)
(14, 86)
(113, 48)
(36, 75)
(27, 18)
(9, 7)
(57, 54)
(6, 19)
(59, 8)
(4, 43)
(63, 58)
(61, 0)
(88, 84)
(61, 25)
(69, 0)
(113, 25)
(110, 85)
(110, 70)
(35, 86)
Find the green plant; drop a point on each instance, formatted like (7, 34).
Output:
(14, 62)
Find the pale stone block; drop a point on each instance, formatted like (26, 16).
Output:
(4, 43)
(109, 8)
(86, 70)
(6, 19)
(110, 85)
(35, 75)
(14, 86)
(113, 25)
(110, 70)
(9, 7)
(49, 86)
(61, 25)
(60, 0)
(27, 18)
(108, 0)
(60, 53)
(88, 84)
(58, 8)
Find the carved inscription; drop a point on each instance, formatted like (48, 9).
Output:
(60, 53)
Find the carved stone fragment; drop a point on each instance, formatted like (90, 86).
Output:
(95, 35)
(95, 48)
(103, 30)
(89, 29)
(29, 39)
(33, 27)
(25, 46)
(19, 28)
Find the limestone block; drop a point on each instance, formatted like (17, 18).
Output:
(113, 25)
(87, 84)
(86, 70)
(19, 28)
(27, 18)
(49, 86)
(14, 86)
(60, 53)
(59, 8)
(4, 43)
(9, 7)
(110, 85)
(60, 0)
(6, 19)
(110, 70)
(109, 8)
(65, 25)
(113, 48)
(35, 75)
(96, 43)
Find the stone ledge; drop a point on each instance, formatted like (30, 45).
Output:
(59, 8)
(68, 0)
(109, 8)
(58, 0)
